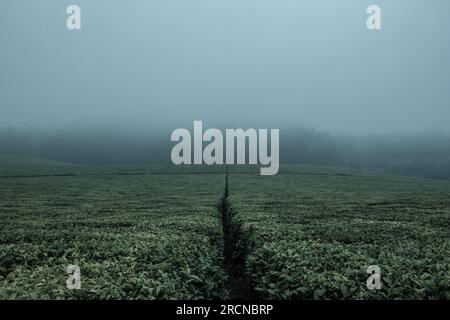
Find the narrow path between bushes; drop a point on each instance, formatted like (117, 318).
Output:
(236, 246)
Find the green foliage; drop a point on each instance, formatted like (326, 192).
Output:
(317, 230)
(134, 237)
(147, 233)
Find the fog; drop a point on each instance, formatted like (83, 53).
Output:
(164, 63)
(139, 69)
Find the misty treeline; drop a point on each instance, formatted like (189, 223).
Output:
(422, 154)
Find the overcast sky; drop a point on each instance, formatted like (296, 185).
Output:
(147, 64)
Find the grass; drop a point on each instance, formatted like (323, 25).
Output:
(152, 232)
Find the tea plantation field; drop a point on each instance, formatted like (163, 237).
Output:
(133, 236)
(152, 232)
(316, 231)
